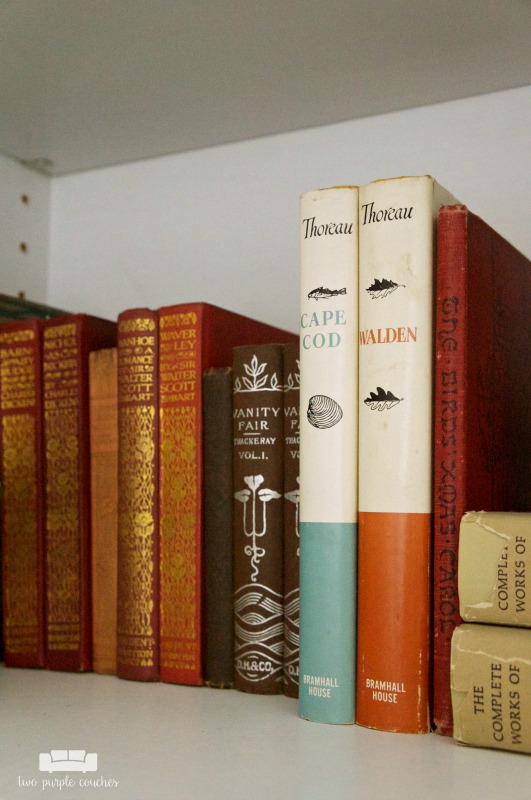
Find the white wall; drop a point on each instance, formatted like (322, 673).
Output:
(221, 224)
(24, 230)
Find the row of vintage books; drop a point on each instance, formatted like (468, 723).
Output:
(117, 505)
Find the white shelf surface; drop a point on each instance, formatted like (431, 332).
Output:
(181, 743)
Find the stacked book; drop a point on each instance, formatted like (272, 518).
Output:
(491, 650)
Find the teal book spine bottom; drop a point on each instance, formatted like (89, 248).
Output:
(327, 677)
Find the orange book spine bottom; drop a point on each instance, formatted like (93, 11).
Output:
(393, 651)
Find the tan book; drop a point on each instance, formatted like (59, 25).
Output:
(491, 686)
(495, 568)
(103, 371)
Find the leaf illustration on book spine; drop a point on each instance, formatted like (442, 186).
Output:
(323, 412)
(381, 400)
(256, 496)
(257, 381)
(381, 288)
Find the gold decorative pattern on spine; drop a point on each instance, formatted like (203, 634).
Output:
(21, 551)
(136, 523)
(61, 421)
(62, 527)
(179, 494)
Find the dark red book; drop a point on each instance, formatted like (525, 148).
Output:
(193, 337)
(22, 496)
(138, 616)
(103, 382)
(67, 342)
(291, 519)
(482, 414)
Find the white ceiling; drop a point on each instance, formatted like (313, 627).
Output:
(88, 83)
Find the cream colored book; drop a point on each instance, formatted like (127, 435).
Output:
(397, 238)
(328, 452)
(494, 573)
(491, 686)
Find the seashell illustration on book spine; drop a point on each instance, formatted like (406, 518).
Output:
(323, 411)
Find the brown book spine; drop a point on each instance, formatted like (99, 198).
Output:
(22, 508)
(67, 342)
(217, 527)
(103, 387)
(291, 518)
(138, 627)
(258, 467)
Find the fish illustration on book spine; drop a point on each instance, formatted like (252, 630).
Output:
(325, 294)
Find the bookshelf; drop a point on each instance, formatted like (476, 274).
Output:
(185, 743)
(220, 224)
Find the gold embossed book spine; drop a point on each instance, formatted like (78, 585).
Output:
(67, 342)
(137, 655)
(22, 508)
(180, 399)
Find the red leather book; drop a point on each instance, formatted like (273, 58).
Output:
(67, 341)
(138, 618)
(22, 507)
(482, 422)
(193, 337)
(103, 382)
(291, 519)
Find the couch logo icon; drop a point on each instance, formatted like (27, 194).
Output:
(68, 761)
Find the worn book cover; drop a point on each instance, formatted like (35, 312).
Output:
(491, 686)
(67, 342)
(258, 468)
(494, 567)
(22, 495)
(482, 438)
